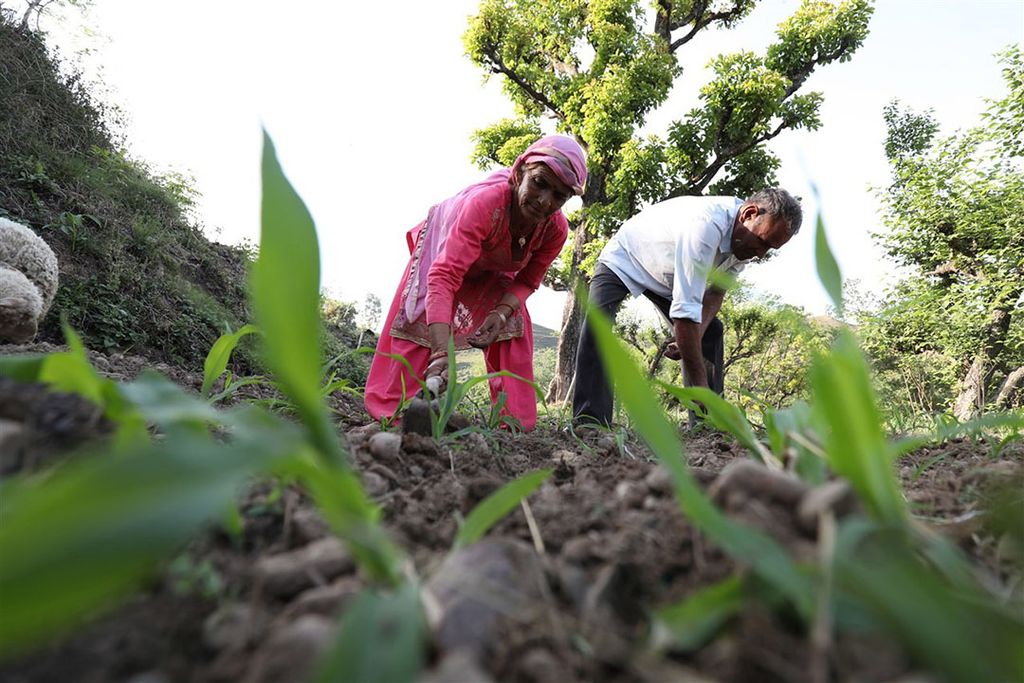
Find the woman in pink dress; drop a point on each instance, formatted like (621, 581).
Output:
(474, 261)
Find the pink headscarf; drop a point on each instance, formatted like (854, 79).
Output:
(562, 154)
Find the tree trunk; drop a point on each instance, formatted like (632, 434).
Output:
(1009, 386)
(572, 324)
(972, 391)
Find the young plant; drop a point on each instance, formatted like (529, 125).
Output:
(494, 507)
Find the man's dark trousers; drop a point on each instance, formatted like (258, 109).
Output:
(592, 399)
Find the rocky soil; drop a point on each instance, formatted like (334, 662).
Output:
(569, 600)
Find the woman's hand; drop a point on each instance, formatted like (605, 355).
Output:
(489, 330)
(437, 368)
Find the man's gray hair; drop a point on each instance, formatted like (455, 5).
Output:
(778, 203)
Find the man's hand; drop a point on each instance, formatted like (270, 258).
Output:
(672, 351)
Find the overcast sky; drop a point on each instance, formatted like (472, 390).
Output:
(371, 106)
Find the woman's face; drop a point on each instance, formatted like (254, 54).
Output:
(539, 193)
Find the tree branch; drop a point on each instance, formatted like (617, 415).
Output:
(499, 67)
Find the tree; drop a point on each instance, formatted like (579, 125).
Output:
(955, 213)
(592, 67)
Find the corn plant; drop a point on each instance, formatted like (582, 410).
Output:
(893, 574)
(84, 535)
(494, 507)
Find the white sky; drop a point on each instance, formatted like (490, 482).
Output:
(371, 106)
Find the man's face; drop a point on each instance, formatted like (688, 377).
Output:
(755, 233)
(540, 193)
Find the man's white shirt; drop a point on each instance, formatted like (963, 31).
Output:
(670, 248)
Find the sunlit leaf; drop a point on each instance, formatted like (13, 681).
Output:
(855, 443)
(220, 353)
(285, 289)
(828, 269)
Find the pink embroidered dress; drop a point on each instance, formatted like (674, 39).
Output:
(462, 263)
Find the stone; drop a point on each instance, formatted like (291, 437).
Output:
(232, 626)
(484, 590)
(630, 493)
(375, 484)
(308, 525)
(386, 446)
(293, 650)
(327, 601)
(458, 666)
(659, 480)
(285, 574)
(835, 496)
(12, 440)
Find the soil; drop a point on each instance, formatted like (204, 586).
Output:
(567, 602)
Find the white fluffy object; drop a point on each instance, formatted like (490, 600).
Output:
(28, 281)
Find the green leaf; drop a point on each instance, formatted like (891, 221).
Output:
(748, 546)
(22, 367)
(855, 444)
(285, 287)
(381, 640)
(495, 506)
(76, 540)
(961, 633)
(342, 500)
(722, 415)
(217, 359)
(828, 269)
(70, 371)
(164, 403)
(693, 621)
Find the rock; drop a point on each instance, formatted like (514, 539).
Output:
(540, 665)
(233, 626)
(836, 496)
(476, 444)
(630, 493)
(606, 444)
(483, 591)
(386, 446)
(152, 676)
(570, 458)
(748, 479)
(308, 525)
(612, 613)
(416, 471)
(375, 484)
(12, 439)
(578, 550)
(285, 574)
(418, 443)
(328, 601)
(659, 480)
(358, 436)
(457, 666)
(293, 650)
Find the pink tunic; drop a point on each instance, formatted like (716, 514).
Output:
(472, 267)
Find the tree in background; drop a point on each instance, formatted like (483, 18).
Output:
(592, 67)
(955, 213)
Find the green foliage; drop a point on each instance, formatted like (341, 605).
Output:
(217, 359)
(954, 218)
(598, 71)
(693, 621)
(494, 507)
(136, 273)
